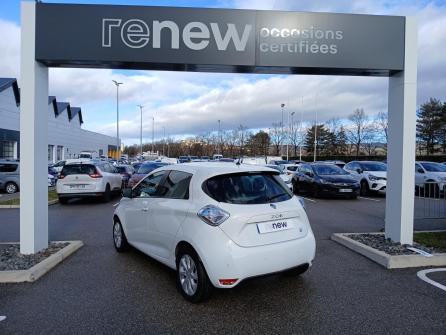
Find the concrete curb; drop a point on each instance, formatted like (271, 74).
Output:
(51, 202)
(38, 270)
(386, 260)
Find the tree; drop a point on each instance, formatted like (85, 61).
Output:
(429, 124)
(277, 136)
(358, 129)
(242, 138)
(382, 121)
(259, 143)
(322, 139)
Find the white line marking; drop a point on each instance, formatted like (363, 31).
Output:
(370, 199)
(422, 275)
(116, 204)
(2, 318)
(309, 199)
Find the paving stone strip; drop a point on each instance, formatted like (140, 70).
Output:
(379, 242)
(11, 259)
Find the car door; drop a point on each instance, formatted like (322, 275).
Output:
(168, 210)
(137, 213)
(353, 168)
(307, 179)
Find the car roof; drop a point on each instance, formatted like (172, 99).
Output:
(205, 170)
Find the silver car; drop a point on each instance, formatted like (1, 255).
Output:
(9, 176)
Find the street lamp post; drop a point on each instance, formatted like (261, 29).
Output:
(140, 133)
(300, 129)
(117, 117)
(282, 106)
(153, 134)
(290, 132)
(219, 138)
(164, 138)
(315, 130)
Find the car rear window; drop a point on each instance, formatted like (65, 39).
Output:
(78, 169)
(247, 188)
(121, 169)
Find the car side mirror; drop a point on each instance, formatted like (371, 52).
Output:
(359, 171)
(127, 193)
(420, 170)
(309, 174)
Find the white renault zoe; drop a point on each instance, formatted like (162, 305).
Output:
(216, 224)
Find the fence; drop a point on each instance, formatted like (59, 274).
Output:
(430, 201)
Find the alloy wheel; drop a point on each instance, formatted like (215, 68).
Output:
(117, 235)
(188, 275)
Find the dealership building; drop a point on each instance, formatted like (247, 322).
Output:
(66, 138)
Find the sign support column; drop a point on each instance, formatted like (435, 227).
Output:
(401, 144)
(33, 139)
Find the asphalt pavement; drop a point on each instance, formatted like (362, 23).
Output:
(98, 291)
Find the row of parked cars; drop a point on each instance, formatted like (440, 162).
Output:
(335, 178)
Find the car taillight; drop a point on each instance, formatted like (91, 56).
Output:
(96, 174)
(61, 176)
(227, 281)
(213, 215)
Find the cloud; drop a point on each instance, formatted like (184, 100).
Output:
(191, 103)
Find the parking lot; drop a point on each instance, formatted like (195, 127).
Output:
(100, 291)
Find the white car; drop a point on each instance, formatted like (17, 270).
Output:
(371, 175)
(290, 169)
(287, 179)
(431, 174)
(216, 224)
(88, 179)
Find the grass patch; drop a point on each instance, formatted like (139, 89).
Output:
(432, 239)
(52, 195)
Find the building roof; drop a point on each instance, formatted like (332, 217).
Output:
(5, 83)
(58, 107)
(76, 111)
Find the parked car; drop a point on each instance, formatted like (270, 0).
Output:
(58, 166)
(430, 178)
(183, 159)
(320, 179)
(9, 176)
(215, 224)
(204, 158)
(143, 170)
(278, 162)
(371, 175)
(51, 180)
(126, 172)
(284, 176)
(290, 169)
(80, 180)
(52, 171)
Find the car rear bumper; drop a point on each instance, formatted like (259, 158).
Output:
(235, 262)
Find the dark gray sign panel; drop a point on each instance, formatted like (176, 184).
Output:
(197, 39)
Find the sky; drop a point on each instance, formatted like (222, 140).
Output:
(186, 103)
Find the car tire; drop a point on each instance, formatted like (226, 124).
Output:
(11, 188)
(119, 239)
(315, 191)
(63, 201)
(192, 279)
(364, 190)
(107, 194)
(295, 188)
(297, 271)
